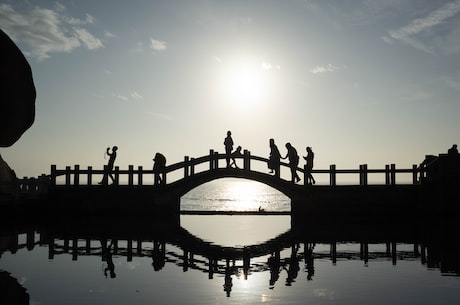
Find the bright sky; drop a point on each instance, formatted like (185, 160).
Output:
(369, 81)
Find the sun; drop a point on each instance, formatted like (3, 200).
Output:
(244, 82)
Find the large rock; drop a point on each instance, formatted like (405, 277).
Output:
(7, 178)
(17, 92)
(17, 102)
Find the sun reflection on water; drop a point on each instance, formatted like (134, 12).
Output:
(235, 195)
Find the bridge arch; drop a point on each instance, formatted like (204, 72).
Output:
(187, 184)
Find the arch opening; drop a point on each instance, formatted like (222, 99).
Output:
(235, 195)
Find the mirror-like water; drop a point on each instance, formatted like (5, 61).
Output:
(222, 259)
(181, 268)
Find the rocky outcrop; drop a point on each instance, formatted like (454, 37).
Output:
(17, 101)
(11, 292)
(7, 177)
(17, 92)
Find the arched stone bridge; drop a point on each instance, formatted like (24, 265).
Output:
(129, 193)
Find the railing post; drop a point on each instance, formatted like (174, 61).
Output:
(192, 167)
(117, 175)
(393, 174)
(211, 159)
(332, 175)
(105, 175)
(67, 175)
(216, 160)
(247, 160)
(139, 175)
(130, 175)
(186, 162)
(387, 174)
(53, 175)
(305, 175)
(90, 175)
(76, 176)
(414, 174)
(363, 174)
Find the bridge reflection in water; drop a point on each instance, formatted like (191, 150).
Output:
(171, 244)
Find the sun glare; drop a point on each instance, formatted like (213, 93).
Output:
(245, 82)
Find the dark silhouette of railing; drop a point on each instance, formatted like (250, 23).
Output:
(190, 167)
(191, 258)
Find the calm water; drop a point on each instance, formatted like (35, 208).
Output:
(203, 261)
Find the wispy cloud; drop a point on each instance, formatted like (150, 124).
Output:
(160, 116)
(417, 32)
(324, 69)
(136, 96)
(121, 97)
(88, 40)
(133, 96)
(42, 31)
(157, 45)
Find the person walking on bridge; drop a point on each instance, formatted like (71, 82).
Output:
(159, 169)
(274, 159)
(228, 143)
(309, 166)
(293, 162)
(108, 171)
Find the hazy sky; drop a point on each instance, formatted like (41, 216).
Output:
(373, 82)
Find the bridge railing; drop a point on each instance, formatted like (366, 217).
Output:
(135, 176)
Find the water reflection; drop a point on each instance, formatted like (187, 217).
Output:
(291, 253)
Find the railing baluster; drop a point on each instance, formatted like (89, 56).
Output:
(393, 174)
(186, 167)
(192, 167)
(117, 175)
(211, 159)
(130, 175)
(247, 160)
(139, 175)
(76, 177)
(67, 175)
(53, 175)
(332, 175)
(387, 174)
(414, 174)
(90, 176)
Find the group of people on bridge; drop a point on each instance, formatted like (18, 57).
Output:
(275, 157)
(274, 161)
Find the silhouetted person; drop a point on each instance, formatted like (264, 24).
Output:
(293, 162)
(309, 260)
(159, 169)
(236, 153)
(228, 280)
(274, 265)
(107, 256)
(274, 159)
(228, 143)
(453, 150)
(108, 173)
(294, 268)
(309, 166)
(158, 255)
